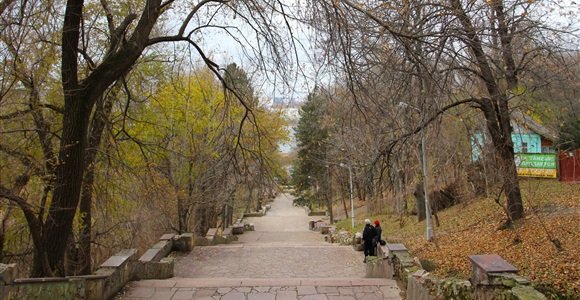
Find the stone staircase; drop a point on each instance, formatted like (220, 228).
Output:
(280, 259)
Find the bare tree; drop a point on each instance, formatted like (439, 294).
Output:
(87, 72)
(455, 52)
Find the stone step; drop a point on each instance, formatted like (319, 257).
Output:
(279, 245)
(179, 282)
(262, 289)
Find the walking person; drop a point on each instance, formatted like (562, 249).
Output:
(369, 234)
(378, 230)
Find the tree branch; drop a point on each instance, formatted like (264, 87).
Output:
(386, 151)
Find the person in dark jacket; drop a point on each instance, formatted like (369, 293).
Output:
(369, 234)
(378, 231)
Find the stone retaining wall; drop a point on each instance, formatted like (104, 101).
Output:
(106, 281)
(317, 213)
(214, 236)
(421, 285)
(260, 213)
(393, 261)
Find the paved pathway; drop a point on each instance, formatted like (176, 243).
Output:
(282, 259)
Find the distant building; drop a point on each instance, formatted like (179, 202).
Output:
(529, 136)
(290, 108)
(292, 115)
(285, 102)
(534, 150)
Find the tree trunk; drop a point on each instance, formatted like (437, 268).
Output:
(496, 108)
(224, 216)
(79, 100)
(344, 204)
(1, 246)
(85, 208)
(503, 147)
(329, 197)
(200, 219)
(98, 125)
(69, 176)
(181, 214)
(511, 182)
(420, 201)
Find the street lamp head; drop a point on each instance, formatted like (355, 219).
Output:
(403, 104)
(342, 165)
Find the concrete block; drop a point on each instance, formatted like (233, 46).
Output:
(163, 245)
(162, 269)
(376, 267)
(219, 239)
(227, 232)
(229, 236)
(416, 290)
(211, 232)
(120, 269)
(167, 237)
(357, 242)
(201, 241)
(527, 293)
(183, 242)
(317, 213)
(254, 214)
(157, 252)
(94, 286)
(120, 259)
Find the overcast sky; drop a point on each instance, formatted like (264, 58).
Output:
(223, 49)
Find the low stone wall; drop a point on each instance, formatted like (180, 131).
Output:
(117, 271)
(215, 237)
(254, 214)
(106, 281)
(259, 213)
(427, 287)
(318, 225)
(36, 288)
(316, 213)
(421, 285)
(161, 269)
(377, 267)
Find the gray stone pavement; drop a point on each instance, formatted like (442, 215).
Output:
(271, 262)
(282, 259)
(257, 289)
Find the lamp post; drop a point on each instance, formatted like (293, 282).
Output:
(350, 190)
(424, 163)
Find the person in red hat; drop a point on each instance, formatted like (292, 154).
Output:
(378, 232)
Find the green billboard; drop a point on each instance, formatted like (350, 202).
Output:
(536, 164)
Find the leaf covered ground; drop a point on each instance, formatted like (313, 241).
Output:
(545, 246)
